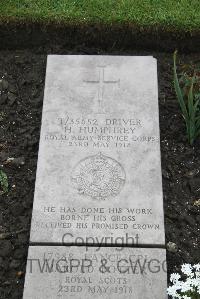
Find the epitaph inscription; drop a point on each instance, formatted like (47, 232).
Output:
(99, 173)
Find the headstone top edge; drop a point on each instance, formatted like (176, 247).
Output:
(56, 56)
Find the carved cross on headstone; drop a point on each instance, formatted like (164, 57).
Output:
(101, 81)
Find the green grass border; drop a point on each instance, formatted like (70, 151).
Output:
(144, 15)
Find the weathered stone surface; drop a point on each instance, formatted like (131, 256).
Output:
(76, 272)
(99, 174)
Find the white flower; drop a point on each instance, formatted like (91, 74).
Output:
(197, 267)
(198, 274)
(174, 277)
(172, 290)
(186, 286)
(190, 285)
(195, 282)
(187, 269)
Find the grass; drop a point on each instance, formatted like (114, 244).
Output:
(169, 15)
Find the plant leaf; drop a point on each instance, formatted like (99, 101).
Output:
(3, 182)
(191, 102)
(198, 122)
(178, 91)
(197, 133)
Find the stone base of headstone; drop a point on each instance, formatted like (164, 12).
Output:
(80, 272)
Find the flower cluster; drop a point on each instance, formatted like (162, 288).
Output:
(188, 288)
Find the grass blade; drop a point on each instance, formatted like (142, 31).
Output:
(3, 182)
(178, 91)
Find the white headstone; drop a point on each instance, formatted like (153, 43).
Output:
(99, 171)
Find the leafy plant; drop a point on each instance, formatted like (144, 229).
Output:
(188, 94)
(3, 182)
(188, 288)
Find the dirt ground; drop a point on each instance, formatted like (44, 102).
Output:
(22, 75)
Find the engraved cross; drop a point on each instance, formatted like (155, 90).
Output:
(101, 81)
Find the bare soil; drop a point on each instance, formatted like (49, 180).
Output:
(21, 96)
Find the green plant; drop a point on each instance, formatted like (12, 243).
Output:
(3, 182)
(188, 94)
